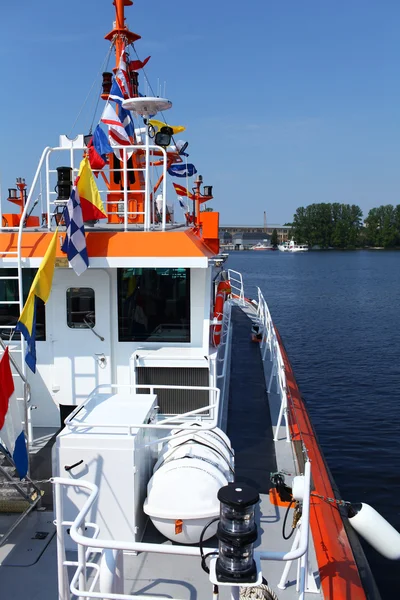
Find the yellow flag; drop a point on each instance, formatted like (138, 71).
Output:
(89, 196)
(40, 288)
(158, 124)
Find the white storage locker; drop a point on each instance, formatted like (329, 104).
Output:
(117, 459)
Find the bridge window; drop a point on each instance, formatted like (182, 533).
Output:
(80, 308)
(9, 312)
(154, 305)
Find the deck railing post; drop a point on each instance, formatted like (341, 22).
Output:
(295, 545)
(164, 209)
(62, 575)
(82, 561)
(147, 187)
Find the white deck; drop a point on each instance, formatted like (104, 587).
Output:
(28, 565)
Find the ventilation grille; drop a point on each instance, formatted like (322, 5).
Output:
(172, 402)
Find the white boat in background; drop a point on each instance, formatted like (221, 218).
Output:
(262, 246)
(292, 247)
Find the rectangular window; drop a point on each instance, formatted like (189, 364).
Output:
(9, 313)
(154, 305)
(80, 308)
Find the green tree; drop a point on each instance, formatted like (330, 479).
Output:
(274, 238)
(328, 225)
(383, 226)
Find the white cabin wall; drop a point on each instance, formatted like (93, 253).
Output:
(68, 361)
(46, 413)
(200, 281)
(46, 383)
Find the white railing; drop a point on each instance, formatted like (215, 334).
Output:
(270, 341)
(109, 550)
(68, 158)
(236, 281)
(223, 354)
(209, 421)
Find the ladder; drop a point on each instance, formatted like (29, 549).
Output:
(19, 497)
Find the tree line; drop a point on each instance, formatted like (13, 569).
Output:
(341, 226)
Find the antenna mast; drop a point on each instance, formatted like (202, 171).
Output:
(120, 34)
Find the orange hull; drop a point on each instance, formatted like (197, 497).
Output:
(340, 577)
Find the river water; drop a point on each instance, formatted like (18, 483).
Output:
(339, 316)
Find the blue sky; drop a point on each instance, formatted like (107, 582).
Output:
(286, 102)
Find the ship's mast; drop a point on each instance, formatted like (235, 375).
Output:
(121, 37)
(120, 33)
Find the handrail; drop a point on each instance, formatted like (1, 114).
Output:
(78, 527)
(168, 423)
(234, 286)
(19, 245)
(14, 363)
(148, 148)
(269, 340)
(223, 354)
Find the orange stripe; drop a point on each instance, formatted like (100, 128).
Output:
(340, 578)
(115, 244)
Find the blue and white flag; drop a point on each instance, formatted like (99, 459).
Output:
(182, 170)
(182, 204)
(75, 241)
(117, 95)
(100, 142)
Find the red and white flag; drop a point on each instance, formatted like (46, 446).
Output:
(117, 135)
(122, 76)
(12, 435)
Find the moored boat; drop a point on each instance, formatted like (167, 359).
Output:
(262, 246)
(292, 246)
(180, 423)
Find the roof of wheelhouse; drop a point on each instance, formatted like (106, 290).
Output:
(115, 248)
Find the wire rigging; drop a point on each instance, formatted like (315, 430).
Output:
(103, 66)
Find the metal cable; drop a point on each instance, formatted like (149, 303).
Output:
(150, 86)
(105, 62)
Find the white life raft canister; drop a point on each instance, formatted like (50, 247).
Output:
(182, 493)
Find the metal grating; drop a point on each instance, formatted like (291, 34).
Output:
(172, 402)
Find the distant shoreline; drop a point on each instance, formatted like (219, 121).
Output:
(374, 248)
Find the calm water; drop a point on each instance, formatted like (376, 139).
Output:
(339, 315)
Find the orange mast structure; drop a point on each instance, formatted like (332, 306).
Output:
(121, 36)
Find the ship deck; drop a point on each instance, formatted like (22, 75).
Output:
(28, 558)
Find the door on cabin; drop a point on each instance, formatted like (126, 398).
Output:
(80, 335)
